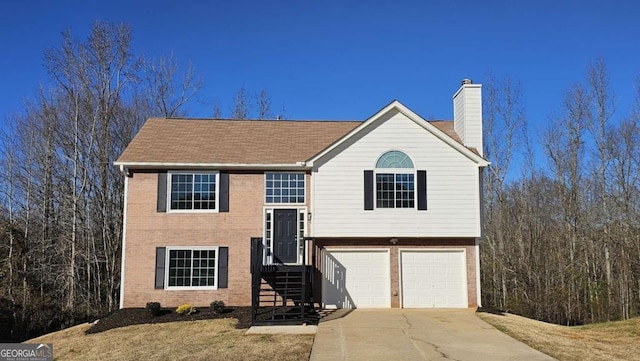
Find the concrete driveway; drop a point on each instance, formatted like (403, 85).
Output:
(410, 334)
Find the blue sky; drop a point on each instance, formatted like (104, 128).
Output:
(344, 59)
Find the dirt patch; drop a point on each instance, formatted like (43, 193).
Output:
(137, 316)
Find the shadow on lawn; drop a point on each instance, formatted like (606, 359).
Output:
(490, 310)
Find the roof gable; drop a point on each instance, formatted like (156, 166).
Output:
(443, 130)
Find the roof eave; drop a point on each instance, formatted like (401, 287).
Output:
(244, 166)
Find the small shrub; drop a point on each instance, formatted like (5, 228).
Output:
(217, 306)
(154, 308)
(185, 309)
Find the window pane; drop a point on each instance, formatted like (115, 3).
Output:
(203, 267)
(191, 268)
(181, 191)
(285, 188)
(384, 190)
(404, 191)
(395, 190)
(193, 191)
(205, 191)
(179, 267)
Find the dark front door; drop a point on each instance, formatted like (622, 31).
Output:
(285, 243)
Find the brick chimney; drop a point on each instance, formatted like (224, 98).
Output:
(467, 114)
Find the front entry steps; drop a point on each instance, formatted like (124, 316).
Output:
(281, 294)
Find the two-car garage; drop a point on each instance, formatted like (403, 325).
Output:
(426, 278)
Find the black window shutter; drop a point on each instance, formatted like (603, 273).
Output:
(368, 190)
(422, 190)
(224, 192)
(223, 266)
(160, 257)
(162, 192)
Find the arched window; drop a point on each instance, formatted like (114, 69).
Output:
(395, 181)
(394, 159)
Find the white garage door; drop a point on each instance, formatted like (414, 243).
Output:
(433, 279)
(352, 278)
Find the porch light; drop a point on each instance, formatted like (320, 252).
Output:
(393, 240)
(309, 216)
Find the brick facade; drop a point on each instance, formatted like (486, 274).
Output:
(148, 229)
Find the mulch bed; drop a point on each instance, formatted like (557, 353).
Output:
(136, 316)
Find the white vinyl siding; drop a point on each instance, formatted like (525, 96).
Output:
(452, 187)
(468, 115)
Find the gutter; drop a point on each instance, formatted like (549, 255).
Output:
(124, 166)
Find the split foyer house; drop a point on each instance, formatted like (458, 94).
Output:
(384, 212)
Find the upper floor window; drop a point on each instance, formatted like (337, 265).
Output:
(193, 191)
(394, 159)
(395, 181)
(284, 188)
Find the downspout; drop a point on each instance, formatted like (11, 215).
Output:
(477, 242)
(478, 291)
(126, 174)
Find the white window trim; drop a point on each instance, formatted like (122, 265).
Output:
(395, 171)
(192, 288)
(264, 195)
(268, 259)
(169, 210)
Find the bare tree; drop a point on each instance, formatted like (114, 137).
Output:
(241, 106)
(263, 101)
(602, 109)
(61, 198)
(167, 97)
(504, 127)
(217, 110)
(562, 242)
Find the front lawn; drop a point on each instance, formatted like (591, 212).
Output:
(214, 339)
(602, 341)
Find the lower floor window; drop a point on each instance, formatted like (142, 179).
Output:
(192, 267)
